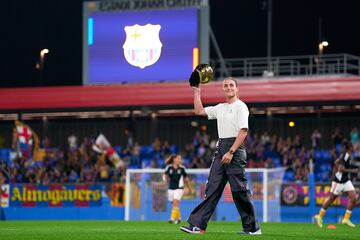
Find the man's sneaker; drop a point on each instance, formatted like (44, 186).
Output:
(257, 232)
(192, 229)
(347, 222)
(177, 221)
(319, 221)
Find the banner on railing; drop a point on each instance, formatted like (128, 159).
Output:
(4, 195)
(91, 195)
(297, 194)
(116, 193)
(55, 195)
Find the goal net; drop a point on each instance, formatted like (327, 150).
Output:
(146, 195)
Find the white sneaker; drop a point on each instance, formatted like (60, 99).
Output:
(257, 232)
(192, 229)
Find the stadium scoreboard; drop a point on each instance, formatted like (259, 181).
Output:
(143, 40)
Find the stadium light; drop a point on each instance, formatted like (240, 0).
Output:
(42, 56)
(291, 124)
(325, 43)
(44, 51)
(322, 45)
(41, 64)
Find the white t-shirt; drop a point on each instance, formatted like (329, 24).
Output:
(231, 118)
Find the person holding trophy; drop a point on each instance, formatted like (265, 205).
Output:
(229, 160)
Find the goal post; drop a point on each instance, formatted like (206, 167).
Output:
(146, 195)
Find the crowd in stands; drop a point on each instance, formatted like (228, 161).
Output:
(79, 163)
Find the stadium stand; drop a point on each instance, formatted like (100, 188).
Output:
(80, 164)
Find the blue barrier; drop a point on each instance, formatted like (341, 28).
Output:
(103, 212)
(224, 212)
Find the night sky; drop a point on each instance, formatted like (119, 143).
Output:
(240, 27)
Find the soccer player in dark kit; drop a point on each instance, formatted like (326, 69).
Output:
(228, 163)
(175, 175)
(341, 183)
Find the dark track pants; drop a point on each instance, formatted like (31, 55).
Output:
(218, 177)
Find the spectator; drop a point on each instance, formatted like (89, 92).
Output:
(129, 138)
(136, 154)
(315, 139)
(46, 142)
(201, 150)
(197, 162)
(166, 149)
(269, 163)
(72, 142)
(73, 176)
(265, 138)
(297, 143)
(103, 170)
(205, 138)
(197, 139)
(337, 138)
(157, 145)
(354, 136)
(2, 179)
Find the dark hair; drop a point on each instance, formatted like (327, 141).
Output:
(170, 159)
(347, 144)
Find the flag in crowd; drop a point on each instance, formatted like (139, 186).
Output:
(4, 195)
(102, 145)
(28, 143)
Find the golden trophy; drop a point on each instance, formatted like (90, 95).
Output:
(202, 74)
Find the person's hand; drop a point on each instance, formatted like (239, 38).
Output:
(194, 79)
(226, 159)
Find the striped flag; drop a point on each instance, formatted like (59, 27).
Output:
(102, 145)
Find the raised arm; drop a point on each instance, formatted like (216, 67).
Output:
(198, 107)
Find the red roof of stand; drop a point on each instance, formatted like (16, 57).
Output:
(172, 94)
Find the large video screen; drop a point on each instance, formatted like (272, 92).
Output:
(141, 46)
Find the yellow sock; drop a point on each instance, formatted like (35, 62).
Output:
(322, 212)
(347, 214)
(178, 215)
(173, 214)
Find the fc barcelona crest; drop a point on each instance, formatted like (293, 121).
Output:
(142, 46)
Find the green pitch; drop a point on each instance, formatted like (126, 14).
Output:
(112, 230)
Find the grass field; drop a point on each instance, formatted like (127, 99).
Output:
(112, 230)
